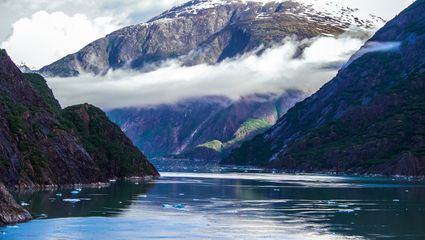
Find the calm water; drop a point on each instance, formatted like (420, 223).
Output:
(230, 206)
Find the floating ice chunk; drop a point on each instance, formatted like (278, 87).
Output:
(276, 190)
(357, 209)
(14, 226)
(143, 196)
(23, 204)
(72, 200)
(331, 202)
(58, 194)
(346, 210)
(42, 216)
(112, 180)
(181, 194)
(166, 206)
(136, 183)
(396, 200)
(195, 199)
(343, 205)
(85, 199)
(179, 206)
(79, 189)
(75, 192)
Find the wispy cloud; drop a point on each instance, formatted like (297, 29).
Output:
(374, 46)
(274, 71)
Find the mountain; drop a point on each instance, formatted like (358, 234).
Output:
(369, 119)
(41, 144)
(185, 128)
(209, 31)
(112, 150)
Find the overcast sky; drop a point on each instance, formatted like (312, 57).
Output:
(38, 32)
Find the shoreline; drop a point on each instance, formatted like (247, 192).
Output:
(53, 187)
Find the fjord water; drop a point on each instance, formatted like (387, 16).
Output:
(230, 205)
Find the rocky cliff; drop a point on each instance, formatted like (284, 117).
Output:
(111, 149)
(41, 145)
(368, 119)
(10, 211)
(209, 31)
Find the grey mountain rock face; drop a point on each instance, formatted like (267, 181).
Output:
(206, 31)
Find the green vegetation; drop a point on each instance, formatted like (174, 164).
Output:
(14, 114)
(215, 145)
(4, 162)
(251, 127)
(105, 142)
(40, 86)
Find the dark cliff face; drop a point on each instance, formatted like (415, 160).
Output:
(204, 32)
(10, 211)
(40, 144)
(113, 152)
(36, 146)
(187, 129)
(368, 119)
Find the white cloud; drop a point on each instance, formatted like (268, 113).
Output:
(45, 37)
(124, 13)
(272, 72)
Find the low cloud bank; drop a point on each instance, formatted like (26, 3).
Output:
(274, 71)
(373, 46)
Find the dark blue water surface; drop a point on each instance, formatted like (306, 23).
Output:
(244, 205)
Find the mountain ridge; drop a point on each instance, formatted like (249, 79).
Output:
(368, 119)
(41, 146)
(223, 29)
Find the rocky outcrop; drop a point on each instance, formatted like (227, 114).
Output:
(208, 31)
(10, 211)
(40, 144)
(110, 148)
(368, 119)
(182, 130)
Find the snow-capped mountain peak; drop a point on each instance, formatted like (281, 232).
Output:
(319, 11)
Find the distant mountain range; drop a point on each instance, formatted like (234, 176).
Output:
(204, 128)
(207, 31)
(369, 119)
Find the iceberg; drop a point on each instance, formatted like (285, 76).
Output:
(72, 200)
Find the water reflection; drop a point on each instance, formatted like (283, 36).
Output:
(110, 201)
(232, 206)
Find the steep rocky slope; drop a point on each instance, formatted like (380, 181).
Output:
(112, 150)
(187, 129)
(10, 211)
(369, 119)
(40, 145)
(208, 31)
